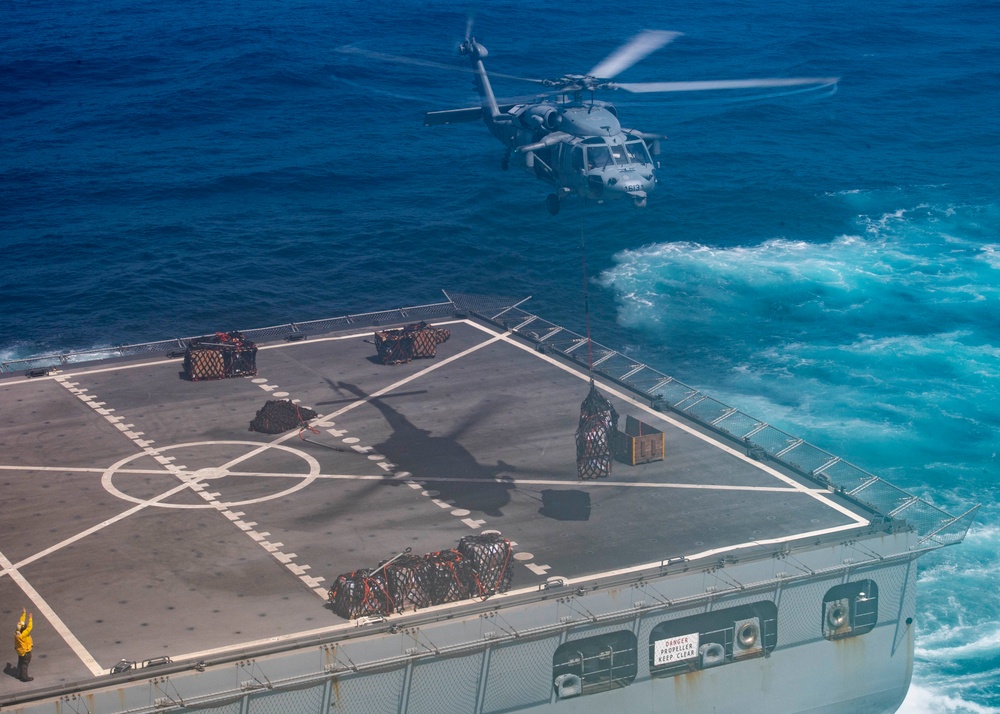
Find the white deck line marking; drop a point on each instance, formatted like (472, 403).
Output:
(684, 427)
(321, 421)
(95, 528)
(503, 481)
(53, 619)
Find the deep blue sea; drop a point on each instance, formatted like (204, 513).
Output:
(830, 264)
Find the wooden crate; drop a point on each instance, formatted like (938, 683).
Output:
(639, 443)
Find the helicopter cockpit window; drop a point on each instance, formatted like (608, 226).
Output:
(637, 152)
(598, 157)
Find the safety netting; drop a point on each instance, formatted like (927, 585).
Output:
(281, 415)
(416, 341)
(594, 446)
(226, 354)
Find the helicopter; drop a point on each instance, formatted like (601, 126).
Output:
(575, 142)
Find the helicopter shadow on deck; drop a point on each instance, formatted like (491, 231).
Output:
(482, 487)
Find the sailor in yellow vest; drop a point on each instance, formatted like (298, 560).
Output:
(23, 645)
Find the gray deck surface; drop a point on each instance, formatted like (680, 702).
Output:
(141, 518)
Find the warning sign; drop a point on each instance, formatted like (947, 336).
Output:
(675, 649)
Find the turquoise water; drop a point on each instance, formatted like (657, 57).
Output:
(830, 264)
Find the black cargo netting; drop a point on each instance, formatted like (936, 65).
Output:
(409, 578)
(598, 424)
(280, 415)
(360, 593)
(416, 341)
(227, 354)
(490, 554)
(450, 577)
(481, 567)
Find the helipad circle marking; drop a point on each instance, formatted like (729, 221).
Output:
(212, 472)
(351, 440)
(375, 457)
(460, 512)
(260, 380)
(430, 493)
(524, 556)
(280, 394)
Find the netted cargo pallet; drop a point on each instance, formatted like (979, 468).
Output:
(280, 415)
(426, 339)
(227, 354)
(490, 555)
(450, 577)
(598, 424)
(481, 566)
(416, 341)
(360, 593)
(409, 580)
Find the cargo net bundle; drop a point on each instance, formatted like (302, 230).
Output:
(226, 354)
(480, 568)
(490, 554)
(594, 435)
(280, 415)
(451, 577)
(363, 592)
(416, 341)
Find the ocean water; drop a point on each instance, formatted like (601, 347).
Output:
(830, 264)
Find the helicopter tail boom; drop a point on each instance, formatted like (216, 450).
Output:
(453, 116)
(457, 116)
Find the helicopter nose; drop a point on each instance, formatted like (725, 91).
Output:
(633, 184)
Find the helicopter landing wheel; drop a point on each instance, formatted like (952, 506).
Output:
(553, 203)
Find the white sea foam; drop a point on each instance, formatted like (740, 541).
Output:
(965, 641)
(881, 340)
(991, 254)
(924, 700)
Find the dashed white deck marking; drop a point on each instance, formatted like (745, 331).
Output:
(194, 481)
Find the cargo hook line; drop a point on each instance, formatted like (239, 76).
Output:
(586, 301)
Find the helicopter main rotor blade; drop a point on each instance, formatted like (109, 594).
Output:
(640, 46)
(648, 87)
(384, 57)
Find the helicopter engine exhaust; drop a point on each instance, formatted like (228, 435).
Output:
(543, 117)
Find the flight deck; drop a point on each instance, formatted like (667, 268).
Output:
(143, 519)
